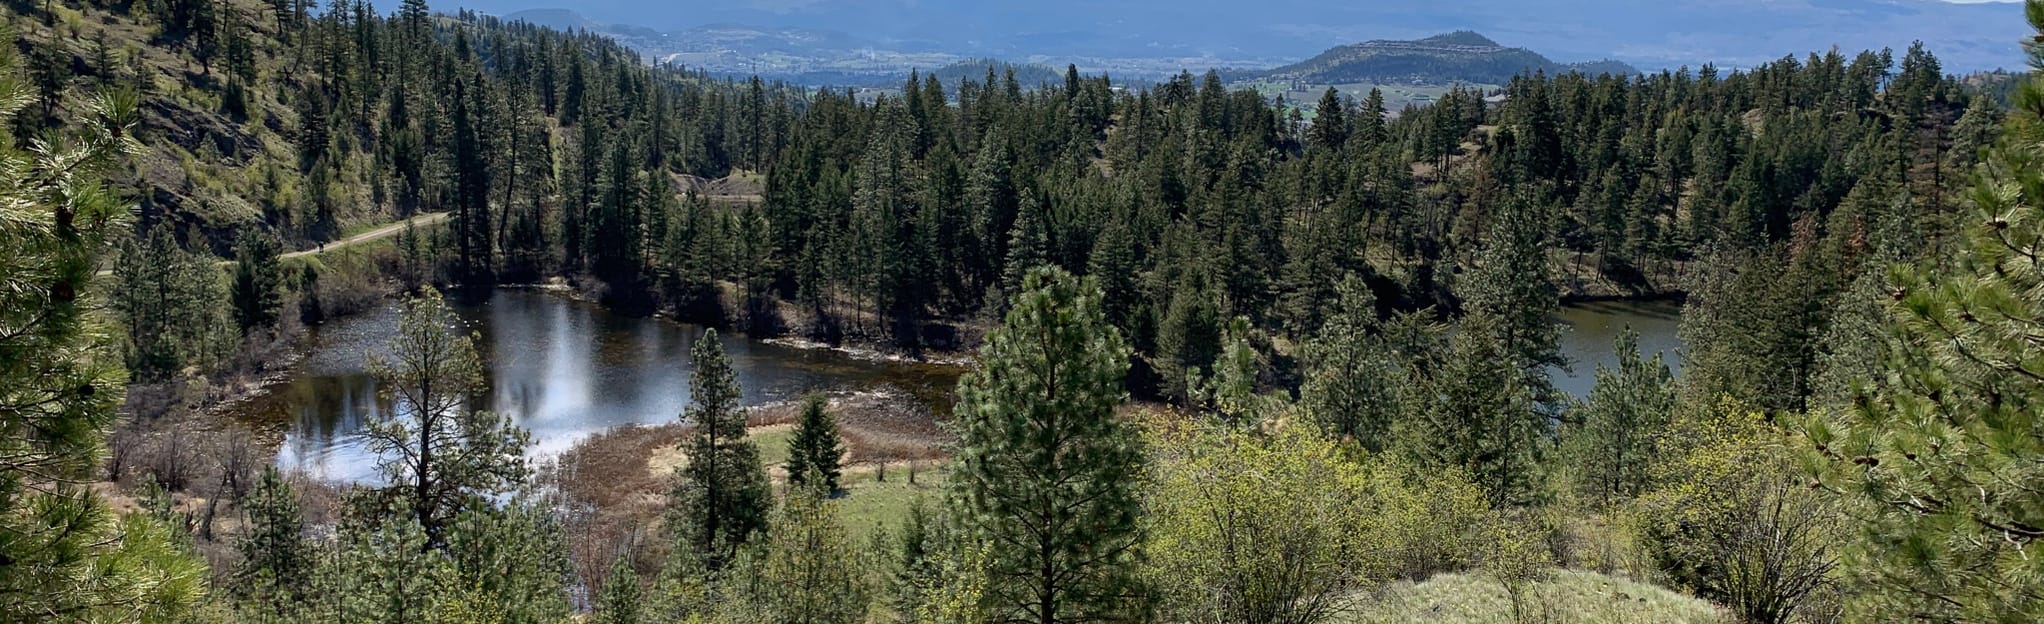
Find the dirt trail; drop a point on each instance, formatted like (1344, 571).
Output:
(379, 233)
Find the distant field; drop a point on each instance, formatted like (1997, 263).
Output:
(1396, 96)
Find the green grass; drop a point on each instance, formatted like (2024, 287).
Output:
(1568, 597)
(772, 443)
(869, 503)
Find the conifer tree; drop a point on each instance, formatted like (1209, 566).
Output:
(1511, 286)
(1614, 444)
(815, 450)
(1351, 387)
(812, 568)
(1940, 456)
(1476, 414)
(1046, 472)
(258, 282)
(61, 549)
(621, 601)
(511, 561)
(276, 562)
(1330, 122)
(721, 498)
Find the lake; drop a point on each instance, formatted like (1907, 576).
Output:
(562, 369)
(566, 369)
(1591, 329)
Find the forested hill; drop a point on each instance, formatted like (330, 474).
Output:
(907, 219)
(1351, 319)
(306, 122)
(1461, 56)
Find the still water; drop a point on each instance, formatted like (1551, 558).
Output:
(562, 369)
(1591, 329)
(566, 369)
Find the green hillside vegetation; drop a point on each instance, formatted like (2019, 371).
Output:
(1027, 75)
(1230, 364)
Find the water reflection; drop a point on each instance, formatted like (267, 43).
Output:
(565, 369)
(560, 368)
(1592, 328)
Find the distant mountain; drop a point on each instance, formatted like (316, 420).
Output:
(1651, 35)
(557, 19)
(1461, 56)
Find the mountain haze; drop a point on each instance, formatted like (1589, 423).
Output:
(1650, 35)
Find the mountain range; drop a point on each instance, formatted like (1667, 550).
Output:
(1649, 35)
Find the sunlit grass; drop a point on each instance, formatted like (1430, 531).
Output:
(1568, 597)
(869, 503)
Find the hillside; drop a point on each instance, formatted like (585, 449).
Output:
(1461, 56)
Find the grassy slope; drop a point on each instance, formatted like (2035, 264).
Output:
(869, 500)
(202, 169)
(1568, 597)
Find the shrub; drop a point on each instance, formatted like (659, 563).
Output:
(1730, 520)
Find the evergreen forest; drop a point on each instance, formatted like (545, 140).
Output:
(1222, 358)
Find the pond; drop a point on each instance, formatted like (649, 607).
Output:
(1593, 328)
(566, 369)
(562, 369)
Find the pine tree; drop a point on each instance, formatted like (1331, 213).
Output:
(812, 569)
(1230, 392)
(61, 379)
(1330, 122)
(258, 282)
(815, 450)
(511, 561)
(1114, 263)
(276, 562)
(1614, 445)
(1351, 387)
(914, 562)
(174, 305)
(1188, 339)
(621, 601)
(382, 571)
(1940, 456)
(1046, 472)
(1370, 126)
(1511, 286)
(1476, 415)
(721, 497)
(468, 159)
(439, 454)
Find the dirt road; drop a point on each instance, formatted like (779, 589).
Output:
(379, 233)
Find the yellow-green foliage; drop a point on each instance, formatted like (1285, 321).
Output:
(1426, 522)
(956, 594)
(1515, 554)
(1732, 521)
(1253, 528)
(1285, 526)
(812, 570)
